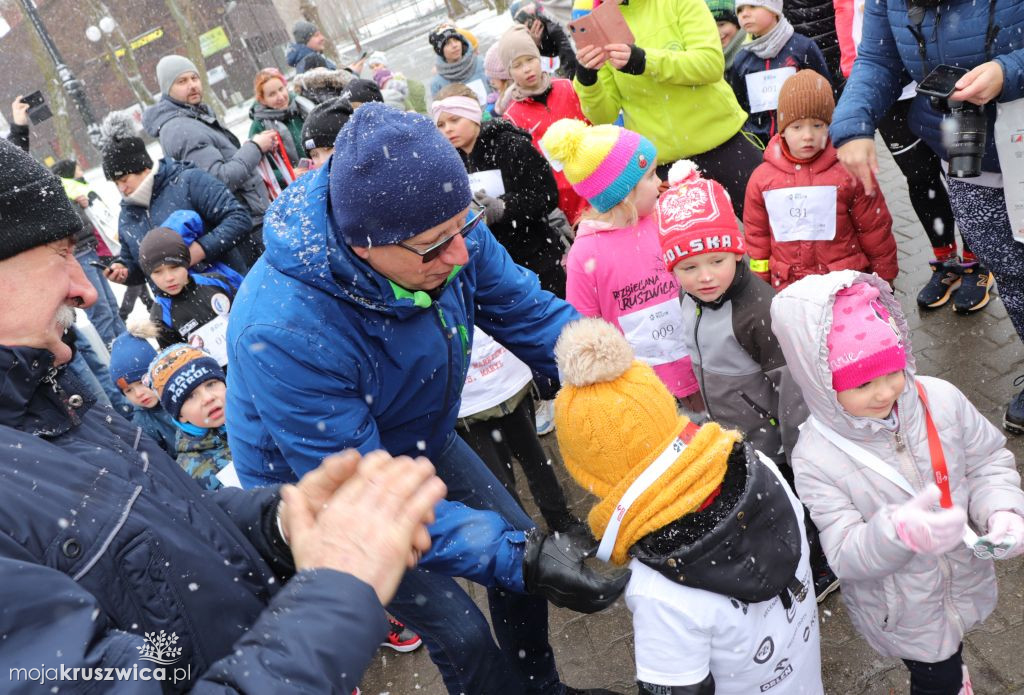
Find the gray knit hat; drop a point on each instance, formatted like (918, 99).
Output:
(302, 31)
(171, 68)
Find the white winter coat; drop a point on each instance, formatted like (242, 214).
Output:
(904, 604)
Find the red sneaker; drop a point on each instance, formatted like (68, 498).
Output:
(400, 638)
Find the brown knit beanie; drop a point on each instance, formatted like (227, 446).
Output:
(514, 43)
(805, 95)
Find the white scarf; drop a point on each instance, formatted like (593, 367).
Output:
(769, 45)
(142, 195)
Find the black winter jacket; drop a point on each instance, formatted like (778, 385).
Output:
(816, 19)
(197, 304)
(747, 541)
(530, 193)
(103, 539)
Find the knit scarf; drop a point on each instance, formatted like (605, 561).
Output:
(517, 93)
(695, 475)
(769, 45)
(142, 195)
(459, 71)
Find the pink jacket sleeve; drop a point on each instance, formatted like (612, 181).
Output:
(844, 31)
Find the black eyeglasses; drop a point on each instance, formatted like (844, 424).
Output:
(434, 250)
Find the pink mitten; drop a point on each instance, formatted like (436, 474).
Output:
(1006, 529)
(926, 531)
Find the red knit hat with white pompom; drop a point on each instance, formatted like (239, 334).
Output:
(695, 216)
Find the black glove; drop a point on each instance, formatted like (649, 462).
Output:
(586, 76)
(637, 62)
(494, 208)
(553, 567)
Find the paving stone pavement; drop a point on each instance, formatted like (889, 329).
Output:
(981, 355)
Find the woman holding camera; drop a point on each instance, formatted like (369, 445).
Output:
(985, 39)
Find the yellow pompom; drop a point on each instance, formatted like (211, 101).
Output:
(563, 140)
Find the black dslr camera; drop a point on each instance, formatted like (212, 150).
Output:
(964, 125)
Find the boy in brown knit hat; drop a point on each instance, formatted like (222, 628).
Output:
(804, 214)
(721, 584)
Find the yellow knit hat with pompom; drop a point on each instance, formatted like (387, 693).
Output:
(614, 416)
(603, 163)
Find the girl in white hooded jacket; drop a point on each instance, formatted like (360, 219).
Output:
(914, 575)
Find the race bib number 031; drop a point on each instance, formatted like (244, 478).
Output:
(803, 213)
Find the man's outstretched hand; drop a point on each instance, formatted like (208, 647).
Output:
(366, 516)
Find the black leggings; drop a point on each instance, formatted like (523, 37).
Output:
(498, 440)
(920, 166)
(730, 164)
(941, 678)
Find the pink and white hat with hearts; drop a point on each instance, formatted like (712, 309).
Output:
(864, 342)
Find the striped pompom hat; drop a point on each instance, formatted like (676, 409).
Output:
(603, 163)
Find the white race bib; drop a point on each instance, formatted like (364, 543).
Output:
(488, 181)
(763, 88)
(549, 64)
(212, 337)
(656, 332)
(481, 91)
(802, 213)
(1009, 135)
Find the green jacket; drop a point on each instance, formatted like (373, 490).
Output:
(681, 102)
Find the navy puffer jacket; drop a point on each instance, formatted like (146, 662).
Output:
(955, 33)
(103, 538)
(181, 186)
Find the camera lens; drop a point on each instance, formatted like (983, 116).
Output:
(964, 136)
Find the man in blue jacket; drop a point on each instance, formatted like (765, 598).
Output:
(111, 556)
(354, 329)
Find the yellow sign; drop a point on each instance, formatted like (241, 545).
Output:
(142, 41)
(213, 41)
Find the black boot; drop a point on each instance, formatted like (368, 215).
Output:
(553, 568)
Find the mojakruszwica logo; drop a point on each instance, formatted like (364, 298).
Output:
(159, 648)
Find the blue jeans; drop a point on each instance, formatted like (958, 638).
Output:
(103, 314)
(453, 628)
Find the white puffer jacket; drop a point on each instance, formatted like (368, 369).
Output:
(904, 604)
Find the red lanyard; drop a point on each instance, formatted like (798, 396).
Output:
(935, 450)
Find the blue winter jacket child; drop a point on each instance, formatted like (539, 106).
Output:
(799, 52)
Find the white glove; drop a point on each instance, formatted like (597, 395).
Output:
(1006, 529)
(926, 531)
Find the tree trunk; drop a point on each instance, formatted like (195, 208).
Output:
(310, 13)
(455, 8)
(130, 69)
(190, 37)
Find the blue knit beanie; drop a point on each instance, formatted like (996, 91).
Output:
(129, 359)
(393, 176)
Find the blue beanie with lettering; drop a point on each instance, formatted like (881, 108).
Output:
(393, 175)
